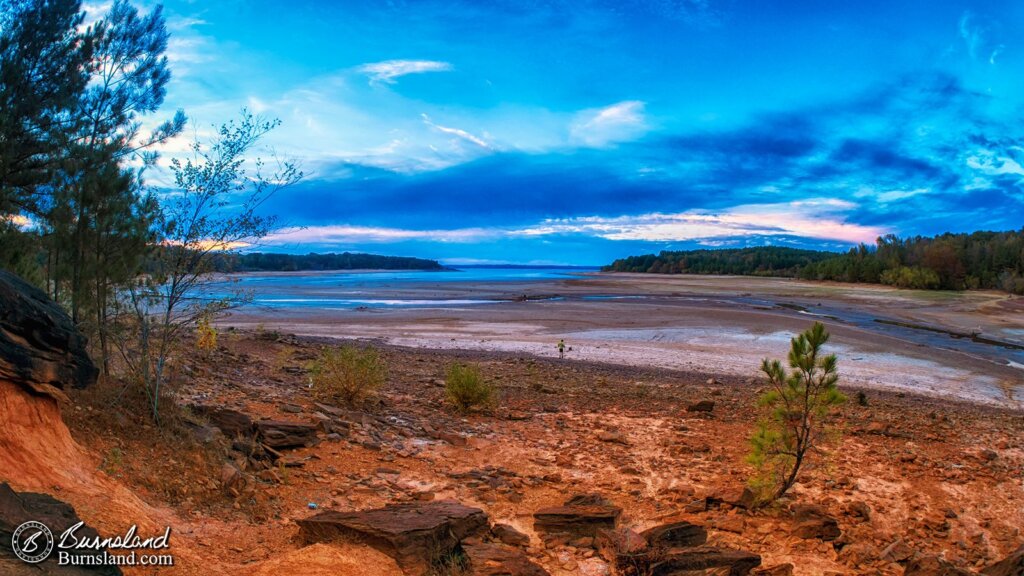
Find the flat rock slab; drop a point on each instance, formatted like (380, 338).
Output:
(277, 434)
(676, 535)
(581, 515)
(683, 561)
(414, 534)
(231, 422)
(813, 522)
(487, 559)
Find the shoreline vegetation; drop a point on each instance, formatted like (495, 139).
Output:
(274, 262)
(979, 260)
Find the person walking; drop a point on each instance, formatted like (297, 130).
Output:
(561, 348)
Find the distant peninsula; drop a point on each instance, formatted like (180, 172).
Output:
(272, 262)
(979, 260)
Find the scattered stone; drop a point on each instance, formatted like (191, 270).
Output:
(291, 408)
(897, 551)
(412, 533)
(702, 406)
(813, 522)
(231, 477)
(933, 566)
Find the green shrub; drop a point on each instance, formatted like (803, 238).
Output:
(467, 389)
(347, 375)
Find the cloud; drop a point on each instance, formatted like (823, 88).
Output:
(815, 218)
(387, 71)
(345, 234)
(982, 37)
(456, 132)
(602, 126)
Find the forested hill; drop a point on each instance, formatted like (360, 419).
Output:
(269, 262)
(759, 261)
(988, 260)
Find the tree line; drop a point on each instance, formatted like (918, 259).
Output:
(759, 261)
(964, 261)
(80, 128)
(271, 262)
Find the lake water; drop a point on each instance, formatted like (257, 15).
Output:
(349, 290)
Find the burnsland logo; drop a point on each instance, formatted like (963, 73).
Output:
(33, 542)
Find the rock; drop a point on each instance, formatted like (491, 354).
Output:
(231, 422)
(413, 534)
(40, 348)
(733, 524)
(1012, 565)
(897, 551)
(613, 437)
(620, 542)
(277, 434)
(231, 477)
(676, 535)
(17, 508)
(859, 509)
(582, 515)
(509, 535)
(488, 559)
(777, 570)
(702, 406)
(683, 561)
(933, 566)
(291, 408)
(812, 521)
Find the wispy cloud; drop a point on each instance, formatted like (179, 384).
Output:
(603, 126)
(456, 132)
(982, 37)
(809, 219)
(815, 218)
(387, 71)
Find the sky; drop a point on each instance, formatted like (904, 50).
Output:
(577, 132)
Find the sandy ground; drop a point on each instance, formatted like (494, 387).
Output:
(714, 324)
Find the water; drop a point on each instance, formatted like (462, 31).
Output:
(341, 290)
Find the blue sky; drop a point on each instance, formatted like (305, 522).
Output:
(576, 132)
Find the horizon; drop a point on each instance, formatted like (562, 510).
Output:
(578, 132)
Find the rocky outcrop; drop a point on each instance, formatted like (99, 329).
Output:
(673, 549)
(583, 515)
(279, 435)
(40, 348)
(415, 534)
(17, 508)
(676, 535)
(682, 562)
(1012, 565)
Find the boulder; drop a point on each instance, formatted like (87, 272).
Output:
(813, 522)
(776, 570)
(509, 535)
(933, 566)
(231, 422)
(277, 434)
(1012, 565)
(702, 406)
(676, 535)
(40, 348)
(414, 534)
(683, 561)
(583, 515)
(17, 508)
(490, 559)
